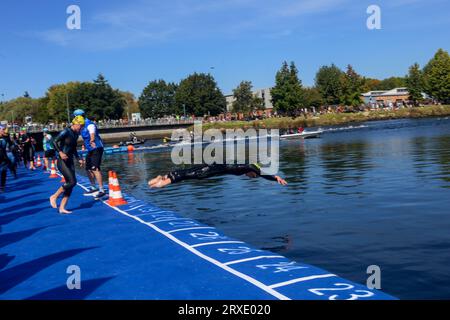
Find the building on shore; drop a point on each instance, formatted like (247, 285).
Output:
(264, 94)
(387, 97)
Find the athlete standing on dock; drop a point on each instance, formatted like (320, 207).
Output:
(49, 152)
(205, 171)
(4, 160)
(66, 146)
(94, 145)
(28, 148)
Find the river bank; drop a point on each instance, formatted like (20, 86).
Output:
(332, 119)
(329, 119)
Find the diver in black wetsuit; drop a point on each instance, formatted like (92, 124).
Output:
(65, 145)
(205, 171)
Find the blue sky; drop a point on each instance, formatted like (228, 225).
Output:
(134, 42)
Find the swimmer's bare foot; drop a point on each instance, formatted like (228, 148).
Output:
(154, 181)
(53, 202)
(64, 211)
(160, 182)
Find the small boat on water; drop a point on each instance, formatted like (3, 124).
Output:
(132, 142)
(302, 135)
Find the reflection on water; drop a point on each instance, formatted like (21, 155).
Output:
(372, 194)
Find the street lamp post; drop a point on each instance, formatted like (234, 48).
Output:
(67, 103)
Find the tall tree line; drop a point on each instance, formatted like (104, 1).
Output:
(198, 94)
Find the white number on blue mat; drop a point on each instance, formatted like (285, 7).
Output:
(346, 286)
(281, 266)
(238, 250)
(207, 236)
(183, 223)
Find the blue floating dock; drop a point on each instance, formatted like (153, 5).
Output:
(139, 251)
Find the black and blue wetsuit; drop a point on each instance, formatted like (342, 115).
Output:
(66, 142)
(205, 171)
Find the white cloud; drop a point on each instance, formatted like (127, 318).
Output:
(151, 21)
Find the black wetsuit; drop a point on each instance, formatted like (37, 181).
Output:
(4, 161)
(28, 148)
(66, 142)
(205, 171)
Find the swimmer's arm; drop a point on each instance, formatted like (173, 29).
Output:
(91, 129)
(55, 142)
(269, 176)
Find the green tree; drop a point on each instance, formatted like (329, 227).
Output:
(59, 96)
(391, 83)
(329, 83)
(287, 95)
(312, 97)
(131, 105)
(245, 101)
(371, 84)
(414, 83)
(104, 101)
(352, 87)
(17, 109)
(98, 99)
(158, 99)
(437, 76)
(200, 95)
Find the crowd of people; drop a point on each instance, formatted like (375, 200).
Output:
(15, 149)
(19, 149)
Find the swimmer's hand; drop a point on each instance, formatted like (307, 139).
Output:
(281, 180)
(63, 155)
(159, 182)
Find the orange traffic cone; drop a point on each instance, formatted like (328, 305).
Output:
(53, 171)
(39, 163)
(115, 194)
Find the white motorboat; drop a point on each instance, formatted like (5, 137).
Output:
(303, 135)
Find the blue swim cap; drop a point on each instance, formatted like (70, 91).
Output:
(45, 130)
(78, 112)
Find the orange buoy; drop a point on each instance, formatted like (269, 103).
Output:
(130, 148)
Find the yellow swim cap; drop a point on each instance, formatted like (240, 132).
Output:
(78, 120)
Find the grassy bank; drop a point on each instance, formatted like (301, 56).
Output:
(331, 119)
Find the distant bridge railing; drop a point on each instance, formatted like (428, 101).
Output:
(35, 127)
